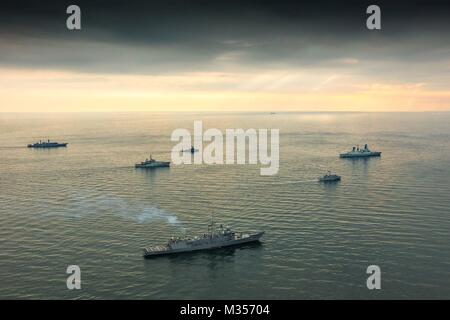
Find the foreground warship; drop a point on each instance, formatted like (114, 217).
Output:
(215, 238)
(47, 144)
(360, 153)
(152, 163)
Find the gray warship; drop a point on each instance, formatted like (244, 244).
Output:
(360, 153)
(47, 144)
(152, 163)
(215, 238)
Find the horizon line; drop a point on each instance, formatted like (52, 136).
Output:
(215, 111)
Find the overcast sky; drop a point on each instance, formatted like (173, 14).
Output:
(211, 55)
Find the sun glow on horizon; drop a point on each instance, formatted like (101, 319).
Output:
(34, 90)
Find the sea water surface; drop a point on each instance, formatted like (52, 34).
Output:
(87, 205)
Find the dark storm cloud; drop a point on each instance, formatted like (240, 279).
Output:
(163, 36)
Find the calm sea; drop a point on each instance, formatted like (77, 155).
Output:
(87, 205)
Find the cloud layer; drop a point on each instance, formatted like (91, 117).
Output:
(227, 47)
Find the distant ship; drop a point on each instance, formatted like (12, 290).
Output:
(330, 177)
(191, 150)
(215, 238)
(47, 144)
(360, 153)
(152, 163)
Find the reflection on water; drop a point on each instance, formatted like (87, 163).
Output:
(152, 173)
(87, 205)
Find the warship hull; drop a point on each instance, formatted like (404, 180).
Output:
(360, 154)
(333, 179)
(152, 165)
(47, 145)
(164, 250)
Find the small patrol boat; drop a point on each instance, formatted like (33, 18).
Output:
(191, 150)
(330, 177)
(152, 163)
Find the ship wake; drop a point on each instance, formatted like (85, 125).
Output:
(136, 211)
